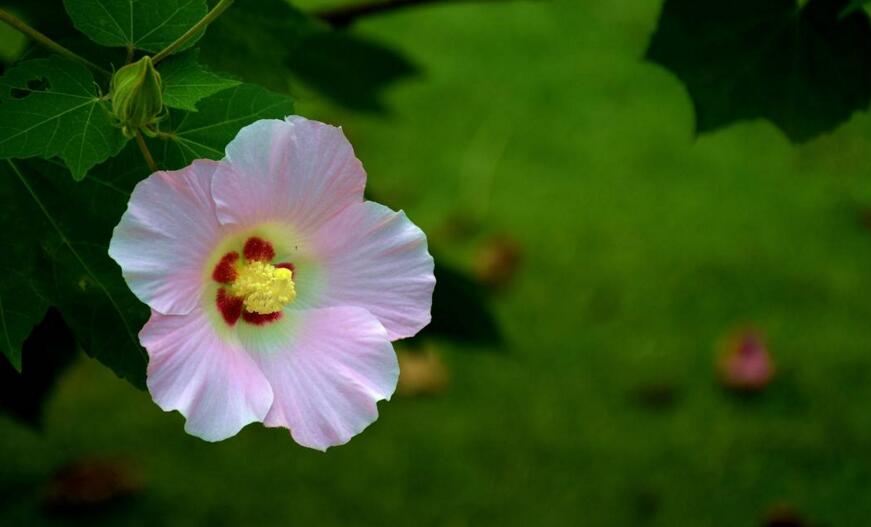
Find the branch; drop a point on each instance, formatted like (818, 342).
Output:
(21, 25)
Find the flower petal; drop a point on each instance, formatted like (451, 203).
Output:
(328, 369)
(376, 259)
(213, 382)
(165, 236)
(297, 171)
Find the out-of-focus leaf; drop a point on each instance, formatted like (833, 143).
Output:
(854, 5)
(348, 69)
(269, 42)
(90, 485)
(185, 81)
(48, 351)
(71, 224)
(51, 107)
(254, 40)
(804, 69)
(497, 261)
(12, 44)
(460, 311)
(150, 25)
(421, 372)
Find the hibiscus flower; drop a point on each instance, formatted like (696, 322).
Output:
(275, 289)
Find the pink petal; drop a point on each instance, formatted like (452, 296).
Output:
(165, 236)
(328, 369)
(376, 259)
(210, 380)
(296, 171)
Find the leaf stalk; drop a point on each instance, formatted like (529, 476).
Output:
(23, 27)
(210, 17)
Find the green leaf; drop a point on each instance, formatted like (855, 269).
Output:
(185, 81)
(204, 134)
(22, 299)
(254, 39)
(59, 255)
(69, 227)
(150, 25)
(51, 107)
(804, 70)
(854, 5)
(274, 44)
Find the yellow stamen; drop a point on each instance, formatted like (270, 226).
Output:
(264, 288)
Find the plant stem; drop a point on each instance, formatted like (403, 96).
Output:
(21, 25)
(145, 152)
(210, 17)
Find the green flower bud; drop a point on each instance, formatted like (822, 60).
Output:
(137, 95)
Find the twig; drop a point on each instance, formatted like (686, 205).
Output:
(145, 152)
(21, 25)
(210, 17)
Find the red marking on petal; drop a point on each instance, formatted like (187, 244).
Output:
(225, 271)
(229, 306)
(258, 249)
(258, 320)
(287, 265)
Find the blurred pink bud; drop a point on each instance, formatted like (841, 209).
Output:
(744, 362)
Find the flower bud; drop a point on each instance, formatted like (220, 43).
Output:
(137, 95)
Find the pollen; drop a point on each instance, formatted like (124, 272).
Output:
(264, 288)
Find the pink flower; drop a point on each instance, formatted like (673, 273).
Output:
(275, 289)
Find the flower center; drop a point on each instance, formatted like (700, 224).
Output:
(264, 288)
(251, 287)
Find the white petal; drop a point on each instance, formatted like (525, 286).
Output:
(211, 380)
(165, 237)
(375, 258)
(328, 369)
(297, 171)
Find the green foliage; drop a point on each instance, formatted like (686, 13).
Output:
(69, 228)
(147, 25)
(72, 223)
(290, 46)
(52, 107)
(190, 136)
(185, 81)
(55, 108)
(854, 5)
(259, 55)
(806, 71)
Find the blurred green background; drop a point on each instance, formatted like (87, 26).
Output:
(538, 126)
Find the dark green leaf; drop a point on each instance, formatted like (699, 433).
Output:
(255, 39)
(185, 81)
(70, 225)
(460, 311)
(48, 352)
(150, 25)
(51, 107)
(271, 43)
(348, 69)
(854, 5)
(806, 70)
(204, 134)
